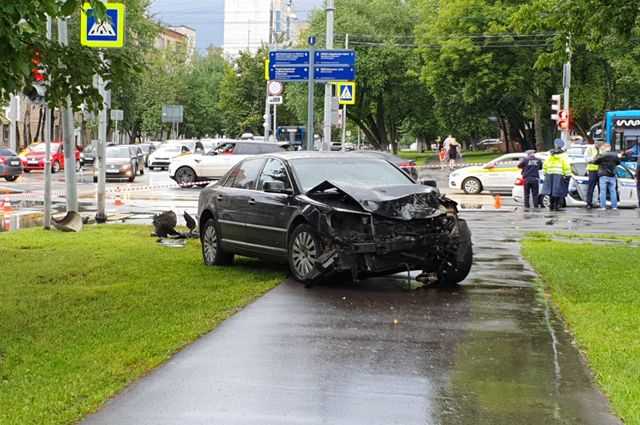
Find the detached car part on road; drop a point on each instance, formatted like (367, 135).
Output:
(327, 213)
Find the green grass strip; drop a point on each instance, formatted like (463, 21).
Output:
(597, 290)
(83, 315)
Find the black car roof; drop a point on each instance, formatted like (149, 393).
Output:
(318, 155)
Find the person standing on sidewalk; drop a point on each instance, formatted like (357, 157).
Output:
(557, 172)
(590, 154)
(531, 166)
(608, 162)
(454, 153)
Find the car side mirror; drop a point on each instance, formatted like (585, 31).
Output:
(430, 183)
(275, 187)
(490, 166)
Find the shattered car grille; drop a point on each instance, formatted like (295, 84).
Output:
(416, 206)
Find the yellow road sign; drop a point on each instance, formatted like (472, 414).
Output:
(347, 93)
(103, 34)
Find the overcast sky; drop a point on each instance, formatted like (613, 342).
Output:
(207, 16)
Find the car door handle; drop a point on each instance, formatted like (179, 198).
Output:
(219, 197)
(252, 201)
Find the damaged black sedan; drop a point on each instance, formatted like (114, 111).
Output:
(330, 213)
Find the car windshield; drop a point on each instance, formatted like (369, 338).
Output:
(40, 147)
(6, 152)
(170, 149)
(118, 152)
(359, 172)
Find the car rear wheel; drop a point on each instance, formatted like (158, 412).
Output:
(185, 176)
(304, 251)
(11, 178)
(55, 167)
(472, 186)
(460, 256)
(212, 252)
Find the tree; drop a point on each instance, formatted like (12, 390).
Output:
(242, 95)
(391, 99)
(202, 92)
(70, 69)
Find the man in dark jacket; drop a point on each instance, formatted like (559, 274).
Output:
(607, 164)
(531, 166)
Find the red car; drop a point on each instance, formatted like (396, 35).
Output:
(33, 157)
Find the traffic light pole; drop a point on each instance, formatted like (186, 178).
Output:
(566, 82)
(310, 97)
(67, 126)
(328, 88)
(47, 152)
(344, 107)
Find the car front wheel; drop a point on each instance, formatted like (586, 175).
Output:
(185, 177)
(472, 186)
(459, 259)
(212, 252)
(11, 178)
(304, 251)
(55, 167)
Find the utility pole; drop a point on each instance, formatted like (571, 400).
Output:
(101, 214)
(311, 95)
(267, 106)
(344, 107)
(67, 125)
(328, 88)
(47, 151)
(566, 82)
(14, 112)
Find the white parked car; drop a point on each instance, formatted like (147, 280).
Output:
(579, 184)
(161, 157)
(188, 170)
(496, 176)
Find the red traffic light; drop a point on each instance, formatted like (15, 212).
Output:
(564, 120)
(39, 71)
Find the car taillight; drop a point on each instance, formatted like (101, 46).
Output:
(519, 181)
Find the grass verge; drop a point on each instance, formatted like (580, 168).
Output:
(431, 158)
(83, 315)
(597, 290)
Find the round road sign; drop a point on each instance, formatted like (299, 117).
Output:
(275, 88)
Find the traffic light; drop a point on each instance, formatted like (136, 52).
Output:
(556, 107)
(564, 120)
(36, 90)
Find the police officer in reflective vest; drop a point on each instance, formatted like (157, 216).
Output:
(557, 173)
(590, 154)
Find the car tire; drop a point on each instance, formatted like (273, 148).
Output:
(472, 186)
(11, 178)
(212, 251)
(303, 251)
(55, 167)
(457, 267)
(151, 168)
(186, 177)
(142, 171)
(95, 179)
(132, 179)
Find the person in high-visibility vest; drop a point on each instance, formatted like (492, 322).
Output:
(557, 172)
(590, 154)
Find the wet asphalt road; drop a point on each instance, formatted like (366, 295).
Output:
(490, 352)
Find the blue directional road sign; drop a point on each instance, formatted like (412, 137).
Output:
(335, 73)
(288, 73)
(345, 58)
(289, 57)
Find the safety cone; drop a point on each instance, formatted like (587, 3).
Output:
(498, 202)
(118, 201)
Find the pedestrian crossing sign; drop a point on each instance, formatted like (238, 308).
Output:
(347, 93)
(103, 34)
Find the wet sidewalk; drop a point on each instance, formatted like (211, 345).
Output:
(491, 352)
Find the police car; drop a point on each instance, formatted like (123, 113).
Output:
(496, 176)
(579, 184)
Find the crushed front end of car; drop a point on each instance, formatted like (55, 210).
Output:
(388, 230)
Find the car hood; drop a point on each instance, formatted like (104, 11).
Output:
(467, 170)
(118, 161)
(402, 202)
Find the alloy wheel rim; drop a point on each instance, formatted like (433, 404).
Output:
(210, 244)
(304, 254)
(186, 176)
(471, 186)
